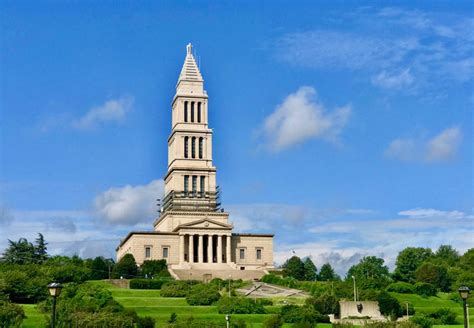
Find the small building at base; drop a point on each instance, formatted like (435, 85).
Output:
(192, 233)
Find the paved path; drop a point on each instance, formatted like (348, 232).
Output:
(261, 289)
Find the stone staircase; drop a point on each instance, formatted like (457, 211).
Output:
(203, 272)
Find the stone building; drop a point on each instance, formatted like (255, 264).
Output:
(192, 232)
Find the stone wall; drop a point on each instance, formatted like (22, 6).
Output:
(137, 242)
(250, 244)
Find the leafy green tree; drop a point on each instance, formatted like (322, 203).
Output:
(324, 304)
(154, 268)
(310, 270)
(436, 275)
(274, 321)
(370, 272)
(327, 273)
(41, 253)
(447, 254)
(294, 267)
(100, 268)
(408, 261)
(126, 267)
(466, 261)
(20, 252)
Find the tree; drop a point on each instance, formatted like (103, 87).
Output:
(389, 305)
(11, 315)
(327, 273)
(100, 268)
(436, 275)
(370, 272)
(20, 252)
(310, 271)
(40, 249)
(126, 267)
(408, 260)
(294, 267)
(447, 254)
(151, 268)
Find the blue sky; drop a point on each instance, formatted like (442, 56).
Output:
(343, 128)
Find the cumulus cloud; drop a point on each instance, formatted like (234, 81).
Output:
(113, 110)
(129, 204)
(301, 117)
(442, 147)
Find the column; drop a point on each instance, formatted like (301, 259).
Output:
(181, 248)
(209, 249)
(228, 247)
(191, 249)
(219, 249)
(200, 250)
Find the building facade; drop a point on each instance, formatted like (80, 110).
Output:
(192, 232)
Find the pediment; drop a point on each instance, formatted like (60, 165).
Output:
(204, 224)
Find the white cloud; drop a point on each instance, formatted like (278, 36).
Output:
(437, 48)
(129, 204)
(419, 213)
(445, 145)
(393, 80)
(442, 147)
(300, 117)
(113, 110)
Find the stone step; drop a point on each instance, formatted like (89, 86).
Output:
(208, 274)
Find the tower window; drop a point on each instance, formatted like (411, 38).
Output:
(193, 147)
(194, 184)
(199, 112)
(192, 111)
(186, 140)
(201, 184)
(200, 147)
(186, 183)
(185, 111)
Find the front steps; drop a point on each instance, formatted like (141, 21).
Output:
(207, 272)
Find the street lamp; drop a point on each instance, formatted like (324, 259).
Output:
(464, 293)
(227, 320)
(54, 290)
(355, 295)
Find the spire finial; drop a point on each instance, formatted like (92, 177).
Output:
(189, 48)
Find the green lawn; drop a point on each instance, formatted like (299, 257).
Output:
(34, 319)
(435, 302)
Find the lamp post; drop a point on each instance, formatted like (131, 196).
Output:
(464, 293)
(54, 290)
(355, 295)
(227, 320)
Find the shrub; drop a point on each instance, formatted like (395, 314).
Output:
(126, 267)
(389, 305)
(381, 324)
(146, 283)
(203, 295)
(342, 325)
(443, 316)
(145, 322)
(264, 301)
(11, 315)
(422, 320)
(239, 305)
(425, 289)
(295, 313)
(324, 304)
(154, 268)
(274, 321)
(178, 288)
(401, 287)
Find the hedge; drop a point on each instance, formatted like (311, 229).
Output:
(401, 288)
(146, 283)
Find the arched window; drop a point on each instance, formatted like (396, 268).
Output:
(185, 111)
(193, 147)
(192, 111)
(200, 147)
(186, 147)
(199, 112)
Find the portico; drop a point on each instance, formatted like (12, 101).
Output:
(205, 247)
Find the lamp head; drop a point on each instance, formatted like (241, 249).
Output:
(55, 289)
(464, 292)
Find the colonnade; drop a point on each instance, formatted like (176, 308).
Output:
(204, 248)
